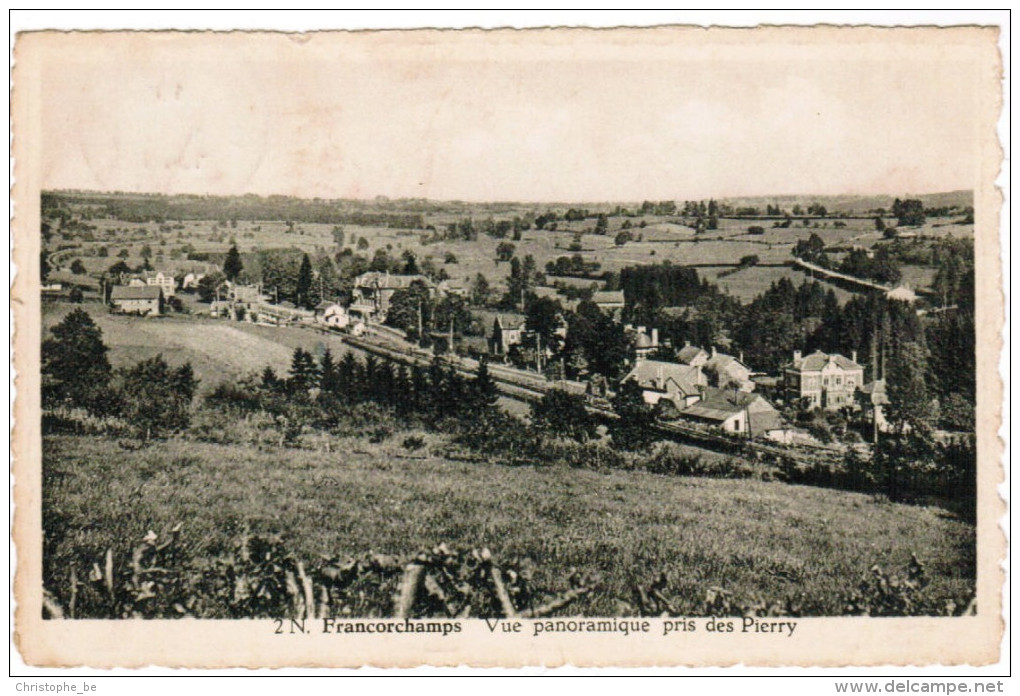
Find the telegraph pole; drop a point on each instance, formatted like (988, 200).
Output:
(420, 327)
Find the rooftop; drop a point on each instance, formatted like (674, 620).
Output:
(136, 292)
(902, 293)
(375, 279)
(818, 360)
(653, 374)
(608, 297)
(689, 353)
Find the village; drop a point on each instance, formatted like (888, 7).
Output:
(701, 387)
(418, 351)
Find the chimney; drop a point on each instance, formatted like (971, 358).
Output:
(641, 330)
(687, 344)
(853, 355)
(655, 337)
(796, 356)
(740, 357)
(713, 351)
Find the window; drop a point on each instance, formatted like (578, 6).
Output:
(736, 425)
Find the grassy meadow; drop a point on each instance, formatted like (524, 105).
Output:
(660, 240)
(218, 350)
(751, 538)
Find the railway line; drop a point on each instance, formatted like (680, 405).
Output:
(515, 385)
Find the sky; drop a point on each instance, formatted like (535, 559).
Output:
(532, 116)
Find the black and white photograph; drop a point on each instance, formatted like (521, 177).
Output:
(436, 334)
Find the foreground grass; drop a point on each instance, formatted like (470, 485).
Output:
(751, 538)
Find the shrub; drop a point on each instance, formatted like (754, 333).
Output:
(413, 442)
(258, 577)
(565, 414)
(905, 594)
(380, 434)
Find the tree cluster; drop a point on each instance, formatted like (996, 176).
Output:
(908, 213)
(321, 392)
(150, 395)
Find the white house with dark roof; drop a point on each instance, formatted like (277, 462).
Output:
(734, 411)
(332, 314)
(823, 380)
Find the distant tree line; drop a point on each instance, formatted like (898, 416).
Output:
(162, 208)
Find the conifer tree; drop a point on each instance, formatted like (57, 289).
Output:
(632, 430)
(483, 389)
(303, 291)
(233, 266)
(75, 367)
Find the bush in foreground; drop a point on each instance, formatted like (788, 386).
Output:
(257, 577)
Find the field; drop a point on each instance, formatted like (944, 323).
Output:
(217, 349)
(747, 283)
(625, 526)
(657, 242)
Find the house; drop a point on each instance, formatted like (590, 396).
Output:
(722, 370)
(452, 287)
(902, 293)
(144, 300)
(332, 314)
(609, 301)
(679, 384)
(165, 281)
(692, 355)
(248, 294)
(283, 313)
(823, 380)
(735, 411)
(872, 397)
(373, 292)
(725, 371)
(191, 280)
(506, 332)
